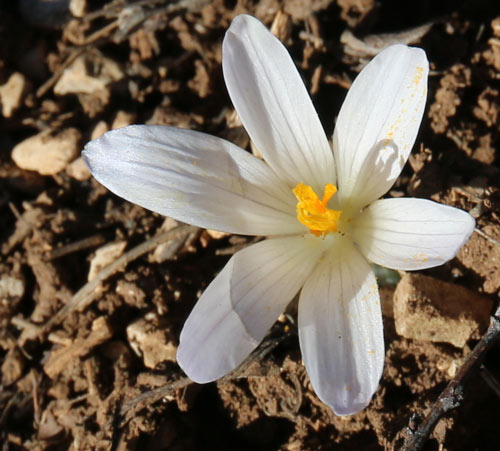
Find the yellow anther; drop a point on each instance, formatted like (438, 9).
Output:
(313, 212)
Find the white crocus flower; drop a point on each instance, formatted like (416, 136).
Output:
(319, 241)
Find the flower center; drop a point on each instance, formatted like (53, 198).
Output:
(313, 213)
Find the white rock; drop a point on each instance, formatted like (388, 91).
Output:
(169, 224)
(46, 153)
(78, 170)
(104, 256)
(12, 92)
(216, 235)
(151, 341)
(11, 288)
(164, 251)
(76, 79)
(99, 130)
(78, 7)
(429, 309)
(122, 119)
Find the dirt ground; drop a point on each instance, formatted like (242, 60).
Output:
(94, 291)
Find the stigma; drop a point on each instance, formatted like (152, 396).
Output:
(313, 212)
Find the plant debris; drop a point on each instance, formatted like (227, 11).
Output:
(87, 347)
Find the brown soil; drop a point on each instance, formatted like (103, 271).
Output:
(100, 377)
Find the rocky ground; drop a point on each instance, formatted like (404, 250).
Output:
(94, 291)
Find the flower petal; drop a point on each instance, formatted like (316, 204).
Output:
(193, 177)
(242, 303)
(378, 123)
(274, 105)
(341, 332)
(411, 234)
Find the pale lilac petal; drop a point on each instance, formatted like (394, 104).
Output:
(274, 105)
(407, 233)
(378, 123)
(193, 177)
(242, 303)
(341, 332)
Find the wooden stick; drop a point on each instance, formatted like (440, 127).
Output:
(91, 241)
(89, 292)
(417, 432)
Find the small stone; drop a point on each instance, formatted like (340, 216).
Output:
(46, 153)
(151, 340)
(122, 119)
(131, 294)
(453, 368)
(99, 130)
(429, 309)
(169, 224)
(12, 93)
(11, 288)
(216, 235)
(104, 256)
(77, 80)
(78, 7)
(165, 251)
(78, 170)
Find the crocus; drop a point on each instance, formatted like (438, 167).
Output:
(318, 208)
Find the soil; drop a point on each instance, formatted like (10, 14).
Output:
(101, 374)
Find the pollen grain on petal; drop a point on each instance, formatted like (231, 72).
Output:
(420, 257)
(419, 73)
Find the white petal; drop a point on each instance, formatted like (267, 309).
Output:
(341, 332)
(378, 123)
(411, 234)
(274, 105)
(242, 303)
(193, 177)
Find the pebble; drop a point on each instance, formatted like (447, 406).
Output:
(12, 93)
(77, 80)
(78, 7)
(104, 256)
(78, 170)
(151, 341)
(47, 153)
(122, 119)
(100, 128)
(11, 288)
(429, 309)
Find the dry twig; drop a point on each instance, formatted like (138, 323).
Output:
(88, 293)
(149, 397)
(85, 243)
(128, 19)
(75, 53)
(370, 45)
(487, 237)
(418, 432)
(60, 358)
